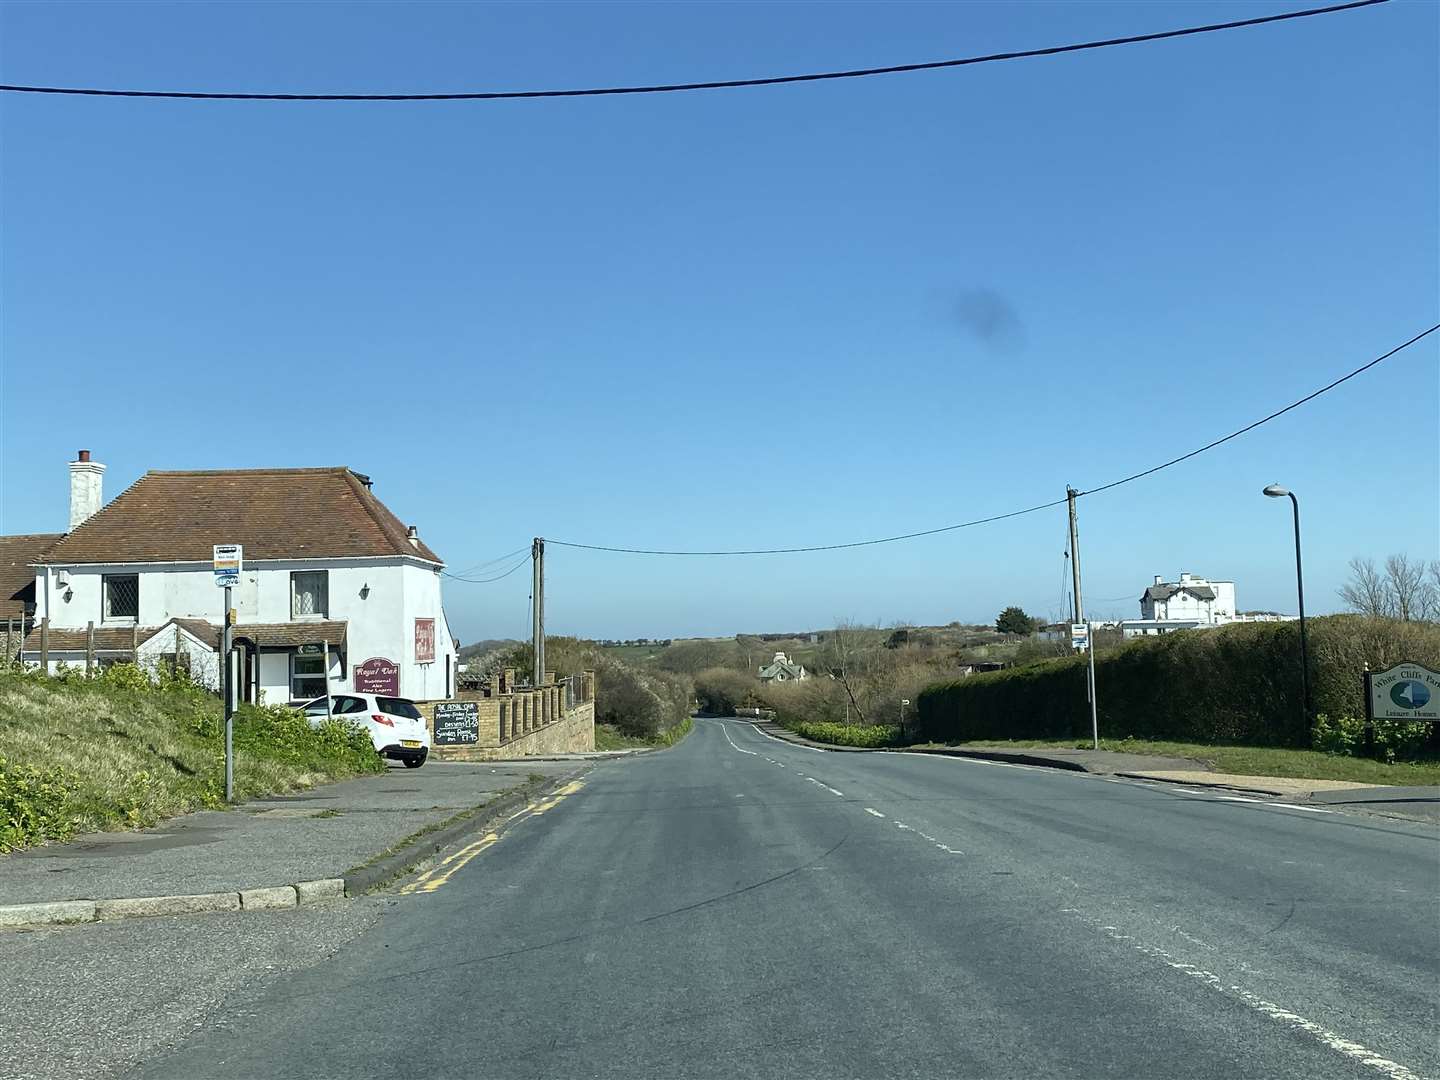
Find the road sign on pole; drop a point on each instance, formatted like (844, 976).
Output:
(227, 566)
(228, 560)
(1079, 636)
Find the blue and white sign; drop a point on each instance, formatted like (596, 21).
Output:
(1405, 692)
(1080, 636)
(228, 559)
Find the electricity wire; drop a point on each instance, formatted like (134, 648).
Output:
(1028, 510)
(720, 84)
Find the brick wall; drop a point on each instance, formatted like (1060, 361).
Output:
(517, 723)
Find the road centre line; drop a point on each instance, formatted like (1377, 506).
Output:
(872, 810)
(1327, 1038)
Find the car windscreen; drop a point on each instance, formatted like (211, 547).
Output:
(396, 706)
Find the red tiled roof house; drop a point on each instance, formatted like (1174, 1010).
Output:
(325, 562)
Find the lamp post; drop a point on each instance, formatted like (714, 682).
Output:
(1275, 491)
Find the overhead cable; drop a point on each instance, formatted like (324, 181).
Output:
(1029, 509)
(720, 84)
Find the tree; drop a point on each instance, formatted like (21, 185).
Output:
(1406, 583)
(1013, 620)
(1366, 592)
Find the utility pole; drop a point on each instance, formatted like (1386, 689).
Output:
(1077, 608)
(537, 593)
(1079, 617)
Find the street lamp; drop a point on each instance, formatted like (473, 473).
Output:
(1275, 491)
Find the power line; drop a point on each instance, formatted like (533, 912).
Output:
(817, 547)
(1264, 420)
(487, 580)
(722, 84)
(1030, 509)
(491, 562)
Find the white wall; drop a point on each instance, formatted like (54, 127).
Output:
(381, 623)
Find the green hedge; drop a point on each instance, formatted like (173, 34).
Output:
(1236, 684)
(870, 735)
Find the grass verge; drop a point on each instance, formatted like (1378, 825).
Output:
(609, 737)
(116, 752)
(1246, 760)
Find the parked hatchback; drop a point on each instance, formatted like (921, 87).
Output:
(395, 725)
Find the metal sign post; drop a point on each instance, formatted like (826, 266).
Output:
(1090, 680)
(228, 558)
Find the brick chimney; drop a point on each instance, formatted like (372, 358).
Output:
(86, 478)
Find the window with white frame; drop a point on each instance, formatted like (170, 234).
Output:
(307, 676)
(309, 594)
(121, 598)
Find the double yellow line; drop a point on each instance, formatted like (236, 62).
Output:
(443, 871)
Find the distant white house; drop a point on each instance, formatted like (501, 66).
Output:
(782, 669)
(1191, 598)
(333, 583)
(1191, 603)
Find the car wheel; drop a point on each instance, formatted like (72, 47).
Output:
(414, 763)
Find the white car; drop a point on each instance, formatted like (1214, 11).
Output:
(395, 725)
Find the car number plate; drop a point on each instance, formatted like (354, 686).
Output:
(409, 742)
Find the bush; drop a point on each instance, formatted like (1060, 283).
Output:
(34, 805)
(872, 735)
(720, 691)
(1234, 684)
(643, 704)
(1395, 740)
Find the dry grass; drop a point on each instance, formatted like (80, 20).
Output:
(79, 755)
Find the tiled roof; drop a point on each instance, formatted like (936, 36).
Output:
(17, 575)
(277, 635)
(272, 513)
(266, 635)
(1164, 592)
(118, 638)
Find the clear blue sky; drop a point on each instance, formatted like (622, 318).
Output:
(763, 317)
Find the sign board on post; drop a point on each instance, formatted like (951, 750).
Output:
(378, 676)
(228, 558)
(457, 722)
(1080, 636)
(424, 641)
(1407, 691)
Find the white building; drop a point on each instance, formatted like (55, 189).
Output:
(1191, 598)
(325, 564)
(782, 669)
(1188, 604)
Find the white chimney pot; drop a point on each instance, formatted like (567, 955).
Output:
(86, 491)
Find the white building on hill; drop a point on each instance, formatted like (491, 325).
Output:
(782, 669)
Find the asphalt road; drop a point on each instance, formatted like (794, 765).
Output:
(738, 906)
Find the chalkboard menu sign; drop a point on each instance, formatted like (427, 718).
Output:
(457, 722)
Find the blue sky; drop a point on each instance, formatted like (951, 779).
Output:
(751, 318)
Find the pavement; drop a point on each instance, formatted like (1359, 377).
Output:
(743, 906)
(308, 835)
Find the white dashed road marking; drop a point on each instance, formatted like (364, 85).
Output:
(1327, 1038)
(872, 810)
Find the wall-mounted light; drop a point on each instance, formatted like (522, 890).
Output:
(68, 594)
(365, 591)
